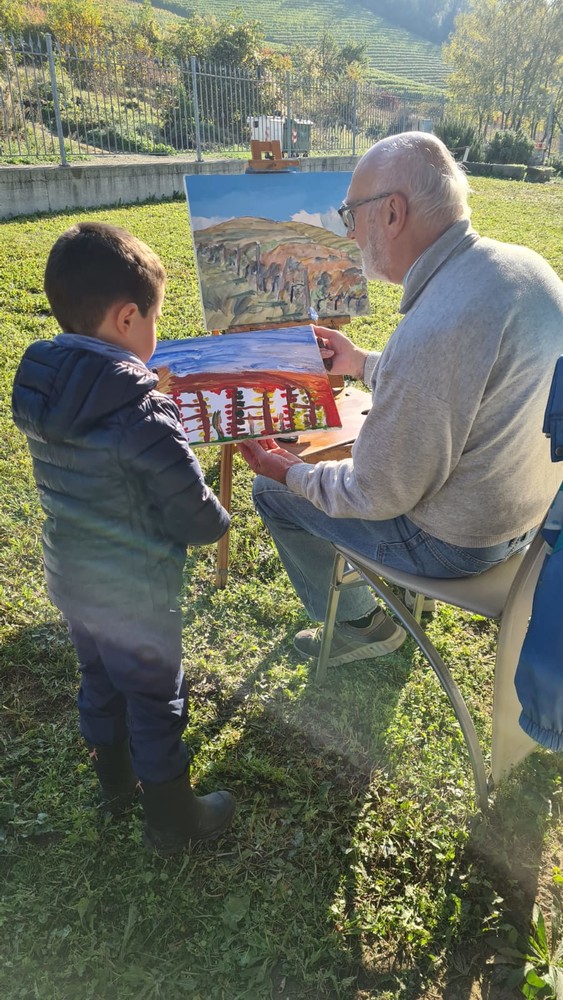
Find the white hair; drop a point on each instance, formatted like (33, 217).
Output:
(420, 166)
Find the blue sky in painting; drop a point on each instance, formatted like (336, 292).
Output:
(290, 349)
(310, 197)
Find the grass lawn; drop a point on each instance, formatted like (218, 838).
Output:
(355, 867)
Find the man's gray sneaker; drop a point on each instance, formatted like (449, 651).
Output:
(349, 644)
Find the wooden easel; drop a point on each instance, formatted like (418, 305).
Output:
(267, 156)
(353, 404)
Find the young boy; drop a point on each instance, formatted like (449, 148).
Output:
(123, 495)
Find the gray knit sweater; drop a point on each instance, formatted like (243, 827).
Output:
(454, 436)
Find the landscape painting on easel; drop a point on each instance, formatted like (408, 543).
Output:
(257, 384)
(272, 249)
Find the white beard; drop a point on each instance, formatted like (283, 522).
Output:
(375, 260)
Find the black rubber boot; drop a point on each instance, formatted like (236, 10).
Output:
(115, 773)
(175, 817)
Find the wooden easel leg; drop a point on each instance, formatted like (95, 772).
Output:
(225, 491)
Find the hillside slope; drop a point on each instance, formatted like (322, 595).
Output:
(392, 51)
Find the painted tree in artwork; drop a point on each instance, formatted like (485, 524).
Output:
(288, 410)
(254, 412)
(194, 410)
(230, 415)
(203, 414)
(240, 413)
(235, 413)
(217, 424)
(267, 411)
(312, 409)
(303, 407)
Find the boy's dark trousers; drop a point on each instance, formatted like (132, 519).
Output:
(133, 696)
(132, 684)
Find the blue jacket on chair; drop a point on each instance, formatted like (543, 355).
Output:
(539, 675)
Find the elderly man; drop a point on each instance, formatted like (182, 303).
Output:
(450, 473)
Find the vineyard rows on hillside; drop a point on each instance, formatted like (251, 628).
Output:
(391, 51)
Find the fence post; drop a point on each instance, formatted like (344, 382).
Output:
(288, 122)
(54, 88)
(196, 109)
(354, 117)
(549, 130)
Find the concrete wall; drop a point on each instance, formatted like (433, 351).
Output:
(27, 190)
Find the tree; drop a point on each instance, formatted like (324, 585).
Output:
(327, 60)
(507, 68)
(230, 41)
(11, 17)
(143, 32)
(325, 76)
(232, 95)
(78, 23)
(17, 17)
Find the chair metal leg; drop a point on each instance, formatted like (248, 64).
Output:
(338, 568)
(446, 680)
(340, 579)
(418, 607)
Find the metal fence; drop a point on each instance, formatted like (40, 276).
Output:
(58, 102)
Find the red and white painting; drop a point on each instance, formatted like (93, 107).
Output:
(259, 384)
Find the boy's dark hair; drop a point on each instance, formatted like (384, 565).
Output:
(91, 267)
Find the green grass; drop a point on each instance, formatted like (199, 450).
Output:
(354, 868)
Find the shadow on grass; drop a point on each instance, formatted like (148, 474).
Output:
(499, 875)
(292, 902)
(38, 676)
(262, 908)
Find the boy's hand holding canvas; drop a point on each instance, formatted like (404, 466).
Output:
(123, 494)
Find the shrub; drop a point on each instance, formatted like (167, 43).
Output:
(476, 152)
(178, 121)
(509, 147)
(557, 165)
(457, 136)
(115, 140)
(375, 132)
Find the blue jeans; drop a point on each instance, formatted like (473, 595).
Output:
(304, 538)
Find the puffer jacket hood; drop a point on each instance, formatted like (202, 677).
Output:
(59, 394)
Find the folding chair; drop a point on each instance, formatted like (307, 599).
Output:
(504, 592)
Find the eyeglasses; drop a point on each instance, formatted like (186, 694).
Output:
(346, 210)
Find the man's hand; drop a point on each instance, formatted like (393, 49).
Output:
(266, 458)
(345, 357)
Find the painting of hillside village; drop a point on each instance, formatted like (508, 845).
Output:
(235, 386)
(271, 249)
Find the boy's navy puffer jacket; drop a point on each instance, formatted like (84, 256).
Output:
(122, 491)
